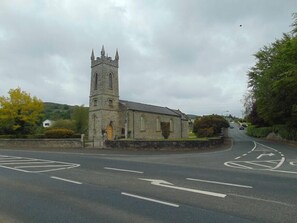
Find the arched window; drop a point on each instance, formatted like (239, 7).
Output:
(158, 125)
(142, 124)
(96, 81)
(171, 125)
(110, 81)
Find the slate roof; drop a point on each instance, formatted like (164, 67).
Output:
(135, 106)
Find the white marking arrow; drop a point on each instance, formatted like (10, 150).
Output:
(265, 154)
(163, 183)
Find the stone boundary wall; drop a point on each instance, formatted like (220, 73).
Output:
(164, 144)
(40, 143)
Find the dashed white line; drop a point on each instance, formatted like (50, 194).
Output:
(238, 157)
(217, 182)
(123, 170)
(150, 199)
(66, 180)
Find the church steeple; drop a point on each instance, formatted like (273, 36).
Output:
(92, 55)
(102, 52)
(117, 55)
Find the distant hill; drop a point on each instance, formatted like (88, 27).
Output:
(192, 116)
(55, 111)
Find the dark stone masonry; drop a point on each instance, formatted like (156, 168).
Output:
(163, 144)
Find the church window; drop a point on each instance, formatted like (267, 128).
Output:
(110, 81)
(95, 102)
(171, 125)
(142, 124)
(96, 81)
(158, 125)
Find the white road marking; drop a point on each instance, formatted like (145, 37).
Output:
(123, 170)
(284, 171)
(163, 183)
(222, 183)
(238, 157)
(43, 162)
(21, 163)
(66, 180)
(265, 154)
(150, 199)
(244, 154)
(279, 164)
(257, 164)
(261, 199)
(236, 165)
(293, 164)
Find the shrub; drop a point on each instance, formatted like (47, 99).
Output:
(258, 132)
(210, 125)
(205, 132)
(64, 124)
(165, 128)
(59, 133)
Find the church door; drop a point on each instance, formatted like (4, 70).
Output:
(109, 132)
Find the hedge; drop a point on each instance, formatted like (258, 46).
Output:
(59, 133)
(258, 132)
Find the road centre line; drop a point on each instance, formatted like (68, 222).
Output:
(238, 157)
(222, 183)
(150, 199)
(123, 170)
(66, 180)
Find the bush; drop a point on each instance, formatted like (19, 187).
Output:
(210, 125)
(258, 132)
(59, 133)
(64, 124)
(205, 132)
(285, 132)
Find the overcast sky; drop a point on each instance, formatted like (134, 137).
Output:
(191, 55)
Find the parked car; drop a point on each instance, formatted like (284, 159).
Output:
(241, 128)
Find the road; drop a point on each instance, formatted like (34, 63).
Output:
(252, 181)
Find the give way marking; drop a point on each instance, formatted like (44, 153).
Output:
(163, 183)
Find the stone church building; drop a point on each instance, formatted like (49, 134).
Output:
(111, 118)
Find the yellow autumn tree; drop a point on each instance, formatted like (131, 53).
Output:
(19, 112)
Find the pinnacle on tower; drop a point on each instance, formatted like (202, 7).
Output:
(102, 51)
(92, 55)
(117, 55)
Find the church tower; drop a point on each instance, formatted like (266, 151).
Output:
(104, 97)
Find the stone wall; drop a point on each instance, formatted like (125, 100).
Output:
(40, 143)
(150, 130)
(164, 144)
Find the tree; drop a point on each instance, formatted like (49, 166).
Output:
(80, 115)
(273, 80)
(209, 125)
(19, 113)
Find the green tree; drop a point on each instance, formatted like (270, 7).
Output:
(19, 113)
(80, 116)
(209, 125)
(273, 80)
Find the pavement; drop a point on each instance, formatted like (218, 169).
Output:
(251, 180)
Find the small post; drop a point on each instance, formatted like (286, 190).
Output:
(82, 139)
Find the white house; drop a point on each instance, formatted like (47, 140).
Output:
(47, 123)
